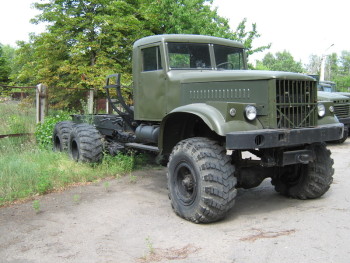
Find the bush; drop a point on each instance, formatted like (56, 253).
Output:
(43, 133)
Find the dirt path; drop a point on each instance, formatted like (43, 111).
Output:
(129, 221)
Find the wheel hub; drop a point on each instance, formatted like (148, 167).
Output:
(185, 184)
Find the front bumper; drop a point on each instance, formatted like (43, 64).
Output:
(272, 138)
(345, 121)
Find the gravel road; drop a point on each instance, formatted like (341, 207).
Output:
(130, 220)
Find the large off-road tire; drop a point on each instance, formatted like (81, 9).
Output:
(307, 181)
(61, 135)
(201, 180)
(85, 144)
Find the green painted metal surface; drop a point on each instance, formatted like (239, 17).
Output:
(190, 74)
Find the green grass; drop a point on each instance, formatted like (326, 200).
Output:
(27, 170)
(16, 118)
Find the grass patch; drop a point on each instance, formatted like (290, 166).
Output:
(27, 169)
(16, 118)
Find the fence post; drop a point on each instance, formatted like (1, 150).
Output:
(41, 103)
(91, 102)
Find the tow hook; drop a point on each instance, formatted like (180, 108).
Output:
(298, 156)
(304, 158)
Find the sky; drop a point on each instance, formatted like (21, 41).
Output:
(301, 27)
(14, 21)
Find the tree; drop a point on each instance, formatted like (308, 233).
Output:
(337, 69)
(4, 67)
(331, 65)
(197, 17)
(314, 65)
(281, 61)
(341, 73)
(89, 39)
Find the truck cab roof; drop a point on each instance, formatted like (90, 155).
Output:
(187, 38)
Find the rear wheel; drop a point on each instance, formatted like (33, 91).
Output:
(307, 181)
(201, 180)
(61, 135)
(85, 144)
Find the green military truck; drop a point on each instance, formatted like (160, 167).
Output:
(327, 92)
(201, 111)
(341, 109)
(329, 86)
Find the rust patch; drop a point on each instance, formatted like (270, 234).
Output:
(267, 234)
(160, 254)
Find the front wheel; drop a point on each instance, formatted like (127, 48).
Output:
(307, 181)
(201, 180)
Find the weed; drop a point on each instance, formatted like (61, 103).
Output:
(149, 245)
(132, 179)
(44, 184)
(106, 186)
(36, 206)
(44, 131)
(76, 198)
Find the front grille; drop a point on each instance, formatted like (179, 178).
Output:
(296, 103)
(342, 110)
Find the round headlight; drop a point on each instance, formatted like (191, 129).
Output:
(250, 112)
(331, 109)
(321, 110)
(233, 112)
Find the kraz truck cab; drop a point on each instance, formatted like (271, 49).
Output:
(198, 107)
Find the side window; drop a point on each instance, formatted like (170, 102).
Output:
(151, 59)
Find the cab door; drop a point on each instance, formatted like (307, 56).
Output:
(150, 103)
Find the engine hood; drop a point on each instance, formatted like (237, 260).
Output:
(347, 94)
(330, 96)
(232, 75)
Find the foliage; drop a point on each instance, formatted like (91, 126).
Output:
(314, 65)
(247, 38)
(4, 67)
(342, 76)
(281, 61)
(16, 118)
(44, 131)
(87, 40)
(337, 68)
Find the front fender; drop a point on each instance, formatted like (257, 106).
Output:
(218, 119)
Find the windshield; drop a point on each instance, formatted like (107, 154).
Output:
(197, 56)
(189, 56)
(228, 57)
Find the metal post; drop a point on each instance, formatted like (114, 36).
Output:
(323, 63)
(107, 107)
(91, 102)
(41, 103)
